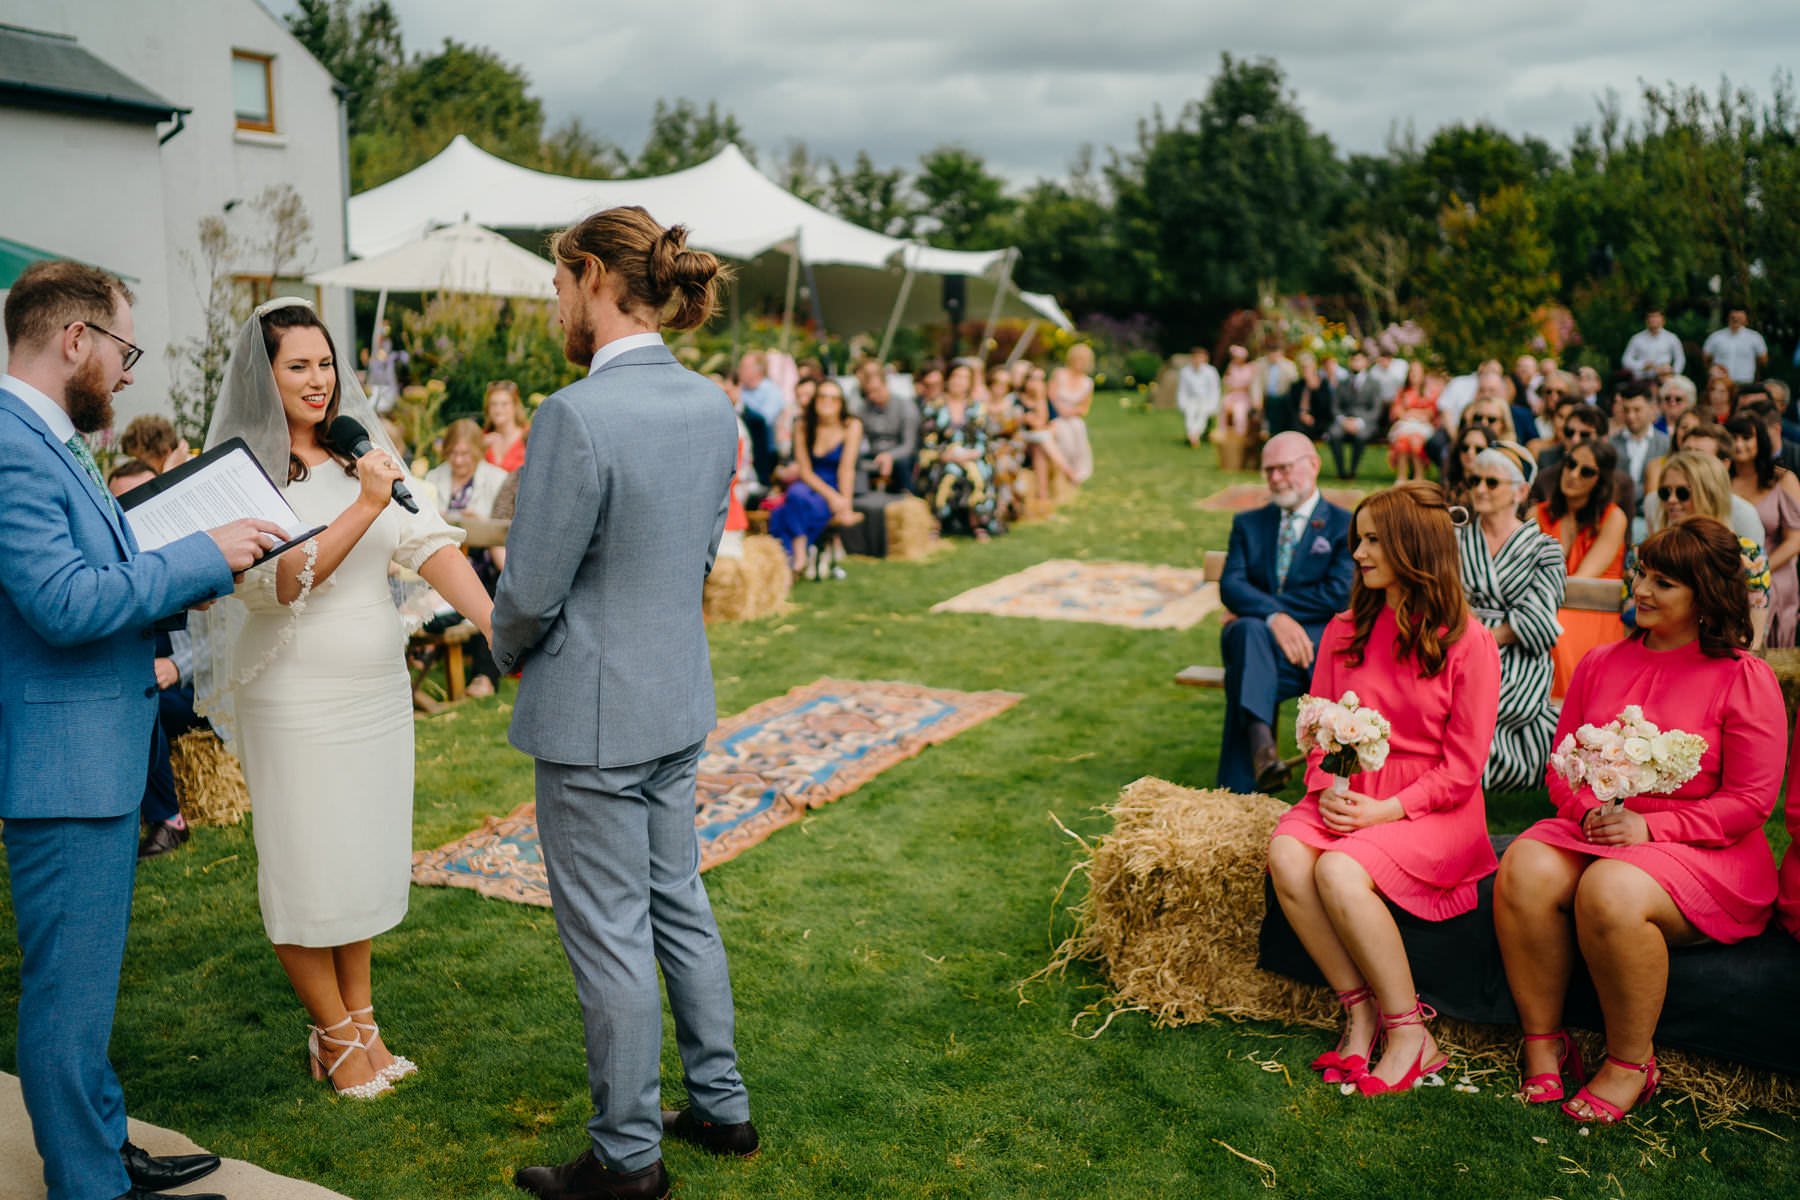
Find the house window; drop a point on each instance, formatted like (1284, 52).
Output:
(253, 90)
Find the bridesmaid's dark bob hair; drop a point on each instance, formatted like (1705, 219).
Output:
(1418, 531)
(1703, 555)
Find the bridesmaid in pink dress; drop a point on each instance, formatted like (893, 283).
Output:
(1413, 832)
(1787, 897)
(1663, 870)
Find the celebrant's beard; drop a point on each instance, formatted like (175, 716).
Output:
(578, 342)
(88, 398)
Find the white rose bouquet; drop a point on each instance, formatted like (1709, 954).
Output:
(1628, 756)
(1353, 737)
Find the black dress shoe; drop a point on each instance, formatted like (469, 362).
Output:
(152, 1174)
(1272, 773)
(738, 1140)
(586, 1178)
(138, 1193)
(162, 838)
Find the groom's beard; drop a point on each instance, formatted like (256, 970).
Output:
(89, 400)
(578, 341)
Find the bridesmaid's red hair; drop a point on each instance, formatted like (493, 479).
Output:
(1418, 532)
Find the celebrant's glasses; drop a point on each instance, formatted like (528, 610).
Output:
(1488, 481)
(1679, 493)
(132, 353)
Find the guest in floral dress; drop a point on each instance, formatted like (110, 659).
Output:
(956, 472)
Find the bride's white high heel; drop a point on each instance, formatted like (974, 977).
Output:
(400, 1067)
(319, 1042)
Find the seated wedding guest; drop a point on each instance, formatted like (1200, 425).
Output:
(1490, 410)
(1619, 887)
(1459, 468)
(1697, 485)
(1357, 411)
(1763, 409)
(826, 446)
(1287, 572)
(152, 440)
(1582, 518)
(1687, 422)
(1524, 384)
(890, 431)
(1197, 394)
(1042, 453)
(929, 385)
(760, 404)
(1412, 833)
(999, 389)
(1589, 386)
(1775, 494)
(1781, 397)
(1707, 441)
(504, 427)
(1721, 398)
(956, 474)
(1513, 576)
(1071, 396)
(1238, 400)
(1638, 442)
(1279, 380)
(1584, 425)
(1412, 422)
(465, 481)
(1674, 396)
(1551, 444)
(1314, 416)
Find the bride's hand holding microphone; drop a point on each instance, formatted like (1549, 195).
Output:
(377, 473)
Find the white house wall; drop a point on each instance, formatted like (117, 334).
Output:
(181, 49)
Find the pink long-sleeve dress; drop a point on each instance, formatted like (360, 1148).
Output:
(1787, 900)
(1707, 848)
(1430, 862)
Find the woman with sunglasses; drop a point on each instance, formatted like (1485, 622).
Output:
(1413, 419)
(1412, 832)
(1620, 886)
(1696, 485)
(1775, 495)
(1581, 516)
(1460, 466)
(1513, 575)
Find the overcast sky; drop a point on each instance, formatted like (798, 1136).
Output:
(1026, 82)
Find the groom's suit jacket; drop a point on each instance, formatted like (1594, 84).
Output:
(77, 602)
(622, 501)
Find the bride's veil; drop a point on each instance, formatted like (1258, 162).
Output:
(249, 407)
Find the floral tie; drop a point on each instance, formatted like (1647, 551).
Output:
(85, 457)
(1284, 547)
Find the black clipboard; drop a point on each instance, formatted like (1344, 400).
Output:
(158, 484)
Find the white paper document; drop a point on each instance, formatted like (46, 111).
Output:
(223, 485)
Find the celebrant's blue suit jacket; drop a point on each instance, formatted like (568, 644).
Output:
(77, 702)
(1257, 676)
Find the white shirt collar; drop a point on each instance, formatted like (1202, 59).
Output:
(49, 411)
(618, 346)
(1305, 510)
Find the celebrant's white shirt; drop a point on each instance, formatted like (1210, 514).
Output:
(48, 410)
(618, 346)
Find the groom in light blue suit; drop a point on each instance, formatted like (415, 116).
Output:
(77, 703)
(621, 506)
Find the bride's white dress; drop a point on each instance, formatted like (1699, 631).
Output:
(325, 729)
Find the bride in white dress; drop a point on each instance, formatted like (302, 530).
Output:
(304, 667)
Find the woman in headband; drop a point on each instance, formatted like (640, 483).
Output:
(1514, 577)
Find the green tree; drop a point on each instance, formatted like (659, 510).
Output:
(1233, 195)
(359, 45)
(802, 174)
(871, 198)
(460, 89)
(1491, 273)
(964, 205)
(683, 135)
(571, 149)
(1064, 232)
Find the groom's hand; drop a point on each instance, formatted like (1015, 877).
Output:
(243, 542)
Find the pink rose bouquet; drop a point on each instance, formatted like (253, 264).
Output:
(1628, 756)
(1353, 737)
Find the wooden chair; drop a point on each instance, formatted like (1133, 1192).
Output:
(449, 643)
(1212, 569)
(1594, 595)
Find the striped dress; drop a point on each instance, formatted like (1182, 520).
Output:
(1522, 587)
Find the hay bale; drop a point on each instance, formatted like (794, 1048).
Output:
(910, 527)
(209, 781)
(1237, 451)
(1174, 905)
(754, 585)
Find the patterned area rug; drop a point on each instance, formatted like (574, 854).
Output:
(763, 768)
(1242, 497)
(1112, 593)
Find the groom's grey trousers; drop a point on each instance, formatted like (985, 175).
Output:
(624, 867)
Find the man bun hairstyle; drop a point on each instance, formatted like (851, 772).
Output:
(660, 272)
(51, 295)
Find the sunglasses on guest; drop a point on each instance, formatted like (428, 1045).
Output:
(1678, 493)
(1583, 471)
(1488, 481)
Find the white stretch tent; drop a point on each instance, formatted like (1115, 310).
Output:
(728, 206)
(457, 258)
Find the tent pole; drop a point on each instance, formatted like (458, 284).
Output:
(1023, 344)
(375, 333)
(893, 325)
(793, 286)
(993, 317)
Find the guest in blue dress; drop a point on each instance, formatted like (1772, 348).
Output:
(825, 453)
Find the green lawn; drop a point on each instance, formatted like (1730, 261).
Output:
(876, 951)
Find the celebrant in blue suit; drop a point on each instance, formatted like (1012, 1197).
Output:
(77, 705)
(1287, 572)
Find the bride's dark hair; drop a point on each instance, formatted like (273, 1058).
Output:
(275, 324)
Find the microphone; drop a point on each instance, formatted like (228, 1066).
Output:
(348, 436)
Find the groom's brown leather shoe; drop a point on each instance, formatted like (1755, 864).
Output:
(586, 1178)
(738, 1140)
